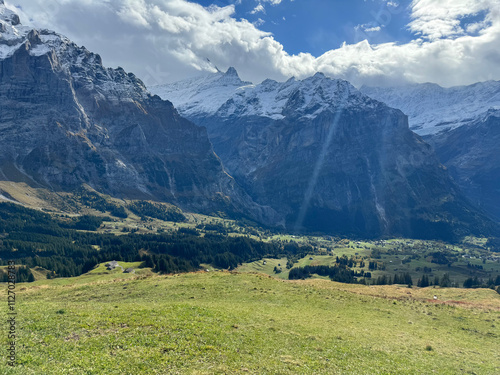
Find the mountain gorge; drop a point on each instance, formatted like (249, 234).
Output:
(326, 156)
(67, 120)
(463, 125)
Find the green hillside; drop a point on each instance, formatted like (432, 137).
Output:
(108, 322)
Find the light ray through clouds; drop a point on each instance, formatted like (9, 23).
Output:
(175, 37)
(321, 161)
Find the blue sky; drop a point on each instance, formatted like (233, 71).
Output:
(374, 42)
(317, 26)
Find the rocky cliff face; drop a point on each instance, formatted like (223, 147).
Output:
(331, 159)
(66, 120)
(462, 124)
(472, 155)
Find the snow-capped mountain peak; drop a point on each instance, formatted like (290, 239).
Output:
(231, 72)
(226, 95)
(203, 94)
(12, 33)
(66, 56)
(7, 15)
(433, 109)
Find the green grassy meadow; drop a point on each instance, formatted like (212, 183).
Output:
(253, 320)
(247, 323)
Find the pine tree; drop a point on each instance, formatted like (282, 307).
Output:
(436, 280)
(445, 281)
(423, 282)
(468, 283)
(408, 279)
(148, 262)
(162, 265)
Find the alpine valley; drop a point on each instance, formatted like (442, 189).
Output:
(216, 226)
(313, 155)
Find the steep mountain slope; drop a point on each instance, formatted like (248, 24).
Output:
(330, 158)
(462, 124)
(472, 155)
(432, 109)
(66, 120)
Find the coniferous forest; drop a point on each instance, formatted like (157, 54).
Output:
(34, 238)
(68, 247)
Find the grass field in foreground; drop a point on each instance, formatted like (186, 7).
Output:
(238, 323)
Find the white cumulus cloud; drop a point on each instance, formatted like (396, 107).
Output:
(258, 9)
(456, 41)
(273, 2)
(437, 19)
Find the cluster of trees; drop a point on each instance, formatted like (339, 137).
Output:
(188, 231)
(23, 274)
(217, 228)
(164, 263)
(402, 278)
(85, 222)
(475, 282)
(295, 252)
(494, 244)
(444, 281)
(159, 211)
(440, 257)
(338, 272)
(475, 266)
(95, 201)
(345, 261)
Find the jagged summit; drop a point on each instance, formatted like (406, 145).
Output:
(299, 98)
(203, 94)
(231, 72)
(8, 16)
(224, 94)
(12, 33)
(65, 56)
(319, 75)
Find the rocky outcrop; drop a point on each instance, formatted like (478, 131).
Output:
(66, 120)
